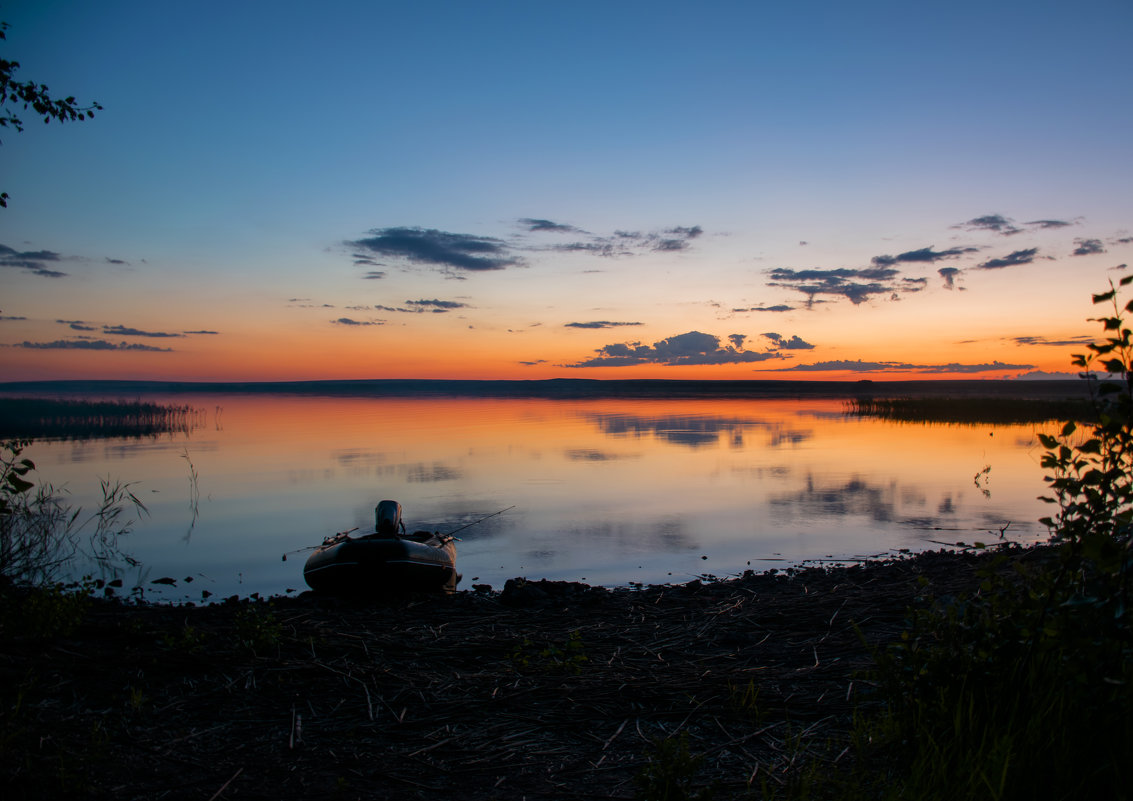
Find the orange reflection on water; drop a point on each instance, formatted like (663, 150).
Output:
(607, 491)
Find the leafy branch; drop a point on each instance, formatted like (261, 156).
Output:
(35, 97)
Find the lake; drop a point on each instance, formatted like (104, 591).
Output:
(606, 491)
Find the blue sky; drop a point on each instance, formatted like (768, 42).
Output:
(246, 150)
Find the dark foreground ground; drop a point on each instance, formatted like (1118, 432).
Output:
(545, 691)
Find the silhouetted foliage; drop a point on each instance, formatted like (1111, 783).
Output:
(34, 97)
(1023, 689)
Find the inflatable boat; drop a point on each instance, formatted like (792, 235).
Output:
(389, 561)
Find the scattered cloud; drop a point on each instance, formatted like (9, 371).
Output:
(788, 343)
(435, 306)
(838, 282)
(31, 261)
(124, 331)
(779, 308)
(458, 254)
(1088, 247)
(90, 344)
(434, 248)
(860, 366)
(347, 321)
(598, 324)
(1039, 340)
(924, 255)
(692, 348)
(203, 332)
(1010, 260)
(77, 325)
(995, 223)
(536, 225)
(1005, 226)
(631, 243)
(949, 275)
(11, 317)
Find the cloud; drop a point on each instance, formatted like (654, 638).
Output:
(924, 255)
(374, 275)
(1040, 340)
(996, 223)
(779, 308)
(435, 306)
(77, 325)
(435, 248)
(598, 324)
(1088, 247)
(11, 317)
(837, 282)
(692, 348)
(30, 261)
(536, 225)
(123, 331)
(783, 343)
(115, 261)
(417, 307)
(347, 321)
(632, 243)
(203, 332)
(860, 366)
(1010, 260)
(949, 275)
(90, 344)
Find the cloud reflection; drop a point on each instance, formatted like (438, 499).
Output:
(695, 431)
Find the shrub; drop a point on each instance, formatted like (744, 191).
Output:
(1024, 689)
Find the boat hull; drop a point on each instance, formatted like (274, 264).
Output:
(382, 565)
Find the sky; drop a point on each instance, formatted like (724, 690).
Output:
(502, 190)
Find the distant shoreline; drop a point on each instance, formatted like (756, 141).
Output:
(562, 388)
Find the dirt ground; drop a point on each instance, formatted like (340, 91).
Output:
(544, 690)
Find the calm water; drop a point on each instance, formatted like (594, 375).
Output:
(605, 491)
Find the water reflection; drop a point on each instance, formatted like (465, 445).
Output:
(607, 490)
(694, 431)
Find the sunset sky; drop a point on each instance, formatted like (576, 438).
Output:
(760, 190)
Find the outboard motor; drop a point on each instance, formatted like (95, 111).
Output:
(387, 519)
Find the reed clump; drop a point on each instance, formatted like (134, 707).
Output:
(51, 418)
(974, 411)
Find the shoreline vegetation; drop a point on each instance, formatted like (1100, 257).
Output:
(746, 688)
(975, 410)
(56, 418)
